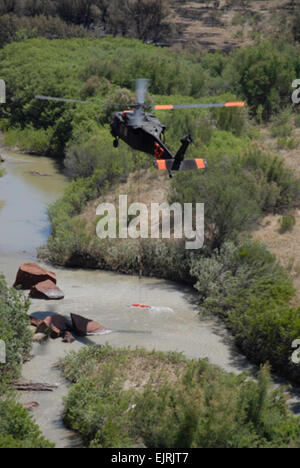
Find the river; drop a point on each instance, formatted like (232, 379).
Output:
(173, 322)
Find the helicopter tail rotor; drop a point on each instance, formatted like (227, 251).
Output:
(185, 165)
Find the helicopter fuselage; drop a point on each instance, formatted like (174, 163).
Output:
(146, 136)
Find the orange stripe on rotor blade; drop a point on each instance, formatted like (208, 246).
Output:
(165, 107)
(161, 165)
(234, 104)
(200, 163)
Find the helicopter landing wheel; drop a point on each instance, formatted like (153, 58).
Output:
(116, 143)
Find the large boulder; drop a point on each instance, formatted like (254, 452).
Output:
(31, 274)
(57, 325)
(46, 290)
(40, 338)
(83, 326)
(31, 405)
(34, 321)
(68, 338)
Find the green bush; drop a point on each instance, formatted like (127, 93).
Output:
(84, 158)
(171, 403)
(281, 131)
(287, 143)
(297, 120)
(263, 73)
(17, 429)
(236, 191)
(14, 330)
(30, 140)
(287, 223)
(15, 28)
(251, 292)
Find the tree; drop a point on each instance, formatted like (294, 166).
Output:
(143, 19)
(8, 6)
(76, 11)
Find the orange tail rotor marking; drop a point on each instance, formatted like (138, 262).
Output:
(164, 107)
(161, 165)
(235, 104)
(200, 163)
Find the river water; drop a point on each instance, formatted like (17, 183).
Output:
(172, 323)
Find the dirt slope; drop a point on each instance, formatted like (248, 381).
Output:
(226, 24)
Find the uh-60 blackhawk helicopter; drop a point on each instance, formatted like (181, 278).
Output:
(142, 131)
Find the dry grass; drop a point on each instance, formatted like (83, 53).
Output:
(145, 187)
(285, 246)
(136, 369)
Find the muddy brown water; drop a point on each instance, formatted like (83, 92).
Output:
(173, 322)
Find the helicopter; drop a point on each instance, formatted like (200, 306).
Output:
(144, 132)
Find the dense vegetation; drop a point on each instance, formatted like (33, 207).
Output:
(236, 278)
(17, 429)
(14, 329)
(242, 184)
(105, 70)
(133, 398)
(142, 19)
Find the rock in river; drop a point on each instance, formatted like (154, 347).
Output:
(83, 326)
(46, 290)
(57, 324)
(30, 274)
(68, 338)
(34, 321)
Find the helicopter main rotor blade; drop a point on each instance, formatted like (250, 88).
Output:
(76, 101)
(198, 106)
(142, 85)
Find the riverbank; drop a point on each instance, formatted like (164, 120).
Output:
(105, 297)
(173, 324)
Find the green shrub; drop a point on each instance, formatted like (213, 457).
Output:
(14, 330)
(281, 131)
(287, 143)
(30, 140)
(287, 223)
(171, 402)
(263, 73)
(236, 191)
(97, 153)
(251, 292)
(297, 120)
(17, 429)
(238, 19)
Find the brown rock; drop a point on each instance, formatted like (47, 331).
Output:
(31, 274)
(31, 405)
(83, 326)
(56, 324)
(46, 290)
(39, 338)
(35, 322)
(68, 338)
